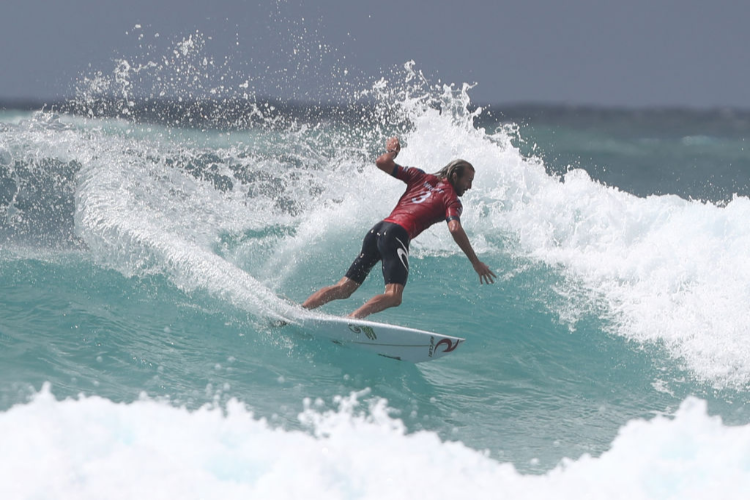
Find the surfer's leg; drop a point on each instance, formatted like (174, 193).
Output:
(341, 290)
(391, 298)
(393, 246)
(355, 276)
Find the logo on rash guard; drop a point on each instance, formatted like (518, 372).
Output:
(422, 196)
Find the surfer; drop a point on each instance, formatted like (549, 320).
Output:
(429, 198)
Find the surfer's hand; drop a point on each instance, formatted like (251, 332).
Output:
(485, 273)
(393, 145)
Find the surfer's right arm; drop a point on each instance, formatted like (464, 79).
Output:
(385, 161)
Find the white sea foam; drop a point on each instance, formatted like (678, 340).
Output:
(669, 270)
(91, 448)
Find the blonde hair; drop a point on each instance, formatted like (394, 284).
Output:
(454, 167)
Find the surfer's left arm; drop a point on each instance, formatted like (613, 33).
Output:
(462, 240)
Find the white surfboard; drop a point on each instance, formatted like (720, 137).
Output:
(391, 341)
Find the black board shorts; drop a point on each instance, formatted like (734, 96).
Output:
(388, 242)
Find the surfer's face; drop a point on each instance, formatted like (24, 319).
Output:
(463, 183)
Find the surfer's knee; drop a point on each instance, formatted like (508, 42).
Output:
(346, 287)
(394, 292)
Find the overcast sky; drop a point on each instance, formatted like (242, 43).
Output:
(625, 52)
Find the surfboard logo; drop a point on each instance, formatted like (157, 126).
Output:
(367, 330)
(451, 345)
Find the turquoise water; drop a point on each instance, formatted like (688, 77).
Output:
(141, 265)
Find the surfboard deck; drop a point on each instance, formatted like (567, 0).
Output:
(391, 341)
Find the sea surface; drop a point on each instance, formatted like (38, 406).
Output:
(145, 258)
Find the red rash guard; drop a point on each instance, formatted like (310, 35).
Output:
(427, 200)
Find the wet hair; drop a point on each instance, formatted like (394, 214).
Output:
(457, 167)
